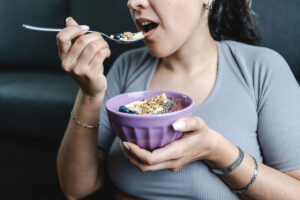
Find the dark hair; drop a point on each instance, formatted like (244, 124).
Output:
(233, 20)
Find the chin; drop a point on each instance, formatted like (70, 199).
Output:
(160, 51)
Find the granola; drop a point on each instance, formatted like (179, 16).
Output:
(155, 105)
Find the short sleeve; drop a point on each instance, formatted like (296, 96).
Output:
(278, 113)
(115, 83)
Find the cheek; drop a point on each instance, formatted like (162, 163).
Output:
(178, 23)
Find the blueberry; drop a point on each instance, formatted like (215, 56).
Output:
(123, 109)
(117, 36)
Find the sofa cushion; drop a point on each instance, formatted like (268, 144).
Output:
(36, 104)
(21, 48)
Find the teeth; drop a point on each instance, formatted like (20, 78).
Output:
(145, 23)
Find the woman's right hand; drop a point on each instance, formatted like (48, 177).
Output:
(84, 58)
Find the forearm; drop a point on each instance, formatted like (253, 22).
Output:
(269, 184)
(77, 161)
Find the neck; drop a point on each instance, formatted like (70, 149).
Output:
(195, 55)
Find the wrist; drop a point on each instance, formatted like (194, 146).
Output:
(222, 154)
(86, 98)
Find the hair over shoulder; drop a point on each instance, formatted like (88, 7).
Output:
(233, 20)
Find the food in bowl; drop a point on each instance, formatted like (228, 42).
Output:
(149, 131)
(158, 104)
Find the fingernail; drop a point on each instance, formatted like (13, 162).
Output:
(126, 145)
(68, 18)
(85, 27)
(179, 125)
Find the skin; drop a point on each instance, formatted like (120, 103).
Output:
(80, 168)
(187, 52)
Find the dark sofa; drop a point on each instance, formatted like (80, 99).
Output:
(36, 96)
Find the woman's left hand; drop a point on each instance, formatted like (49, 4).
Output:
(197, 143)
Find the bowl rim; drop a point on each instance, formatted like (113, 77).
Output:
(150, 115)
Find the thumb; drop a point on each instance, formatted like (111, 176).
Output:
(189, 124)
(71, 22)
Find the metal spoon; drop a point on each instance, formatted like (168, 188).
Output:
(36, 28)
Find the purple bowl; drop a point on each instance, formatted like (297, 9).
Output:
(147, 131)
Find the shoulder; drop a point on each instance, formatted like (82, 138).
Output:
(255, 63)
(129, 60)
(256, 56)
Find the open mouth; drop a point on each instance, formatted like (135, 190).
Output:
(148, 27)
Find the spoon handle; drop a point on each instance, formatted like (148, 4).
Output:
(37, 28)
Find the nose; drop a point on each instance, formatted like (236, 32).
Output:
(137, 4)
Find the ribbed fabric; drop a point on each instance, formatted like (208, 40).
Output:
(255, 104)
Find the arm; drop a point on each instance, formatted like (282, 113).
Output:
(80, 169)
(270, 183)
(202, 143)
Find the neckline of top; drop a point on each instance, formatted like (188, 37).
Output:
(216, 85)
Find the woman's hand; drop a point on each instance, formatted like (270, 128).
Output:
(197, 143)
(83, 59)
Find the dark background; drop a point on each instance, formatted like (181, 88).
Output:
(36, 96)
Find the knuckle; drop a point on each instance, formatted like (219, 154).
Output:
(105, 44)
(89, 74)
(200, 121)
(100, 53)
(108, 52)
(178, 151)
(65, 66)
(177, 165)
(60, 37)
(195, 121)
(150, 161)
(77, 71)
(173, 170)
(143, 168)
(81, 40)
(93, 47)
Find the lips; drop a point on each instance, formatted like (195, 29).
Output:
(147, 26)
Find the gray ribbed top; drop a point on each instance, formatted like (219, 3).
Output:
(255, 104)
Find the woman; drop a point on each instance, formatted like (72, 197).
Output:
(242, 141)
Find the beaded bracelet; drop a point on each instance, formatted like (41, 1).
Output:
(233, 166)
(82, 124)
(247, 187)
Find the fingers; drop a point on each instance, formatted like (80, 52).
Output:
(144, 167)
(64, 38)
(164, 154)
(71, 22)
(97, 63)
(80, 44)
(189, 124)
(169, 152)
(90, 51)
(92, 57)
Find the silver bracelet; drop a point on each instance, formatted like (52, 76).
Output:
(82, 124)
(247, 187)
(236, 163)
